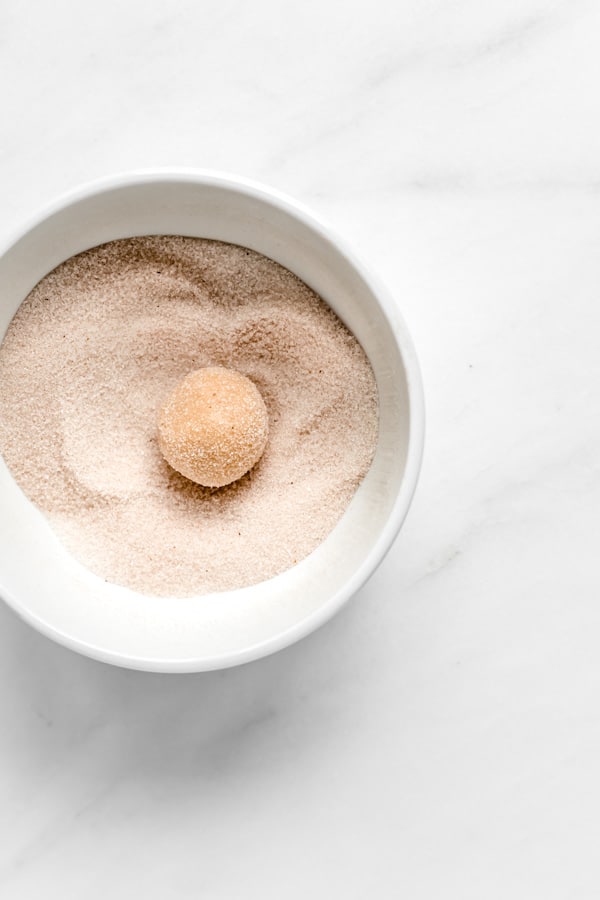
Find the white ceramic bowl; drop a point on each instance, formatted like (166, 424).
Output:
(69, 604)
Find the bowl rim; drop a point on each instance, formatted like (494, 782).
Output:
(416, 420)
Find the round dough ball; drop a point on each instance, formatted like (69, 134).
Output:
(213, 427)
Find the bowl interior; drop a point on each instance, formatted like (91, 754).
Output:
(66, 601)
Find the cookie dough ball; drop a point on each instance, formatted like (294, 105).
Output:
(213, 427)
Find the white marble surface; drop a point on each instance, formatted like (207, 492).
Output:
(441, 737)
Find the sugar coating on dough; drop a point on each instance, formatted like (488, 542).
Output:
(213, 426)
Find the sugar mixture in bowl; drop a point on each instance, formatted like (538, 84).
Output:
(85, 368)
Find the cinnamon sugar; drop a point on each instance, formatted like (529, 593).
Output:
(92, 353)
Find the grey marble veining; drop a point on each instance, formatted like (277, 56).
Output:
(439, 738)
